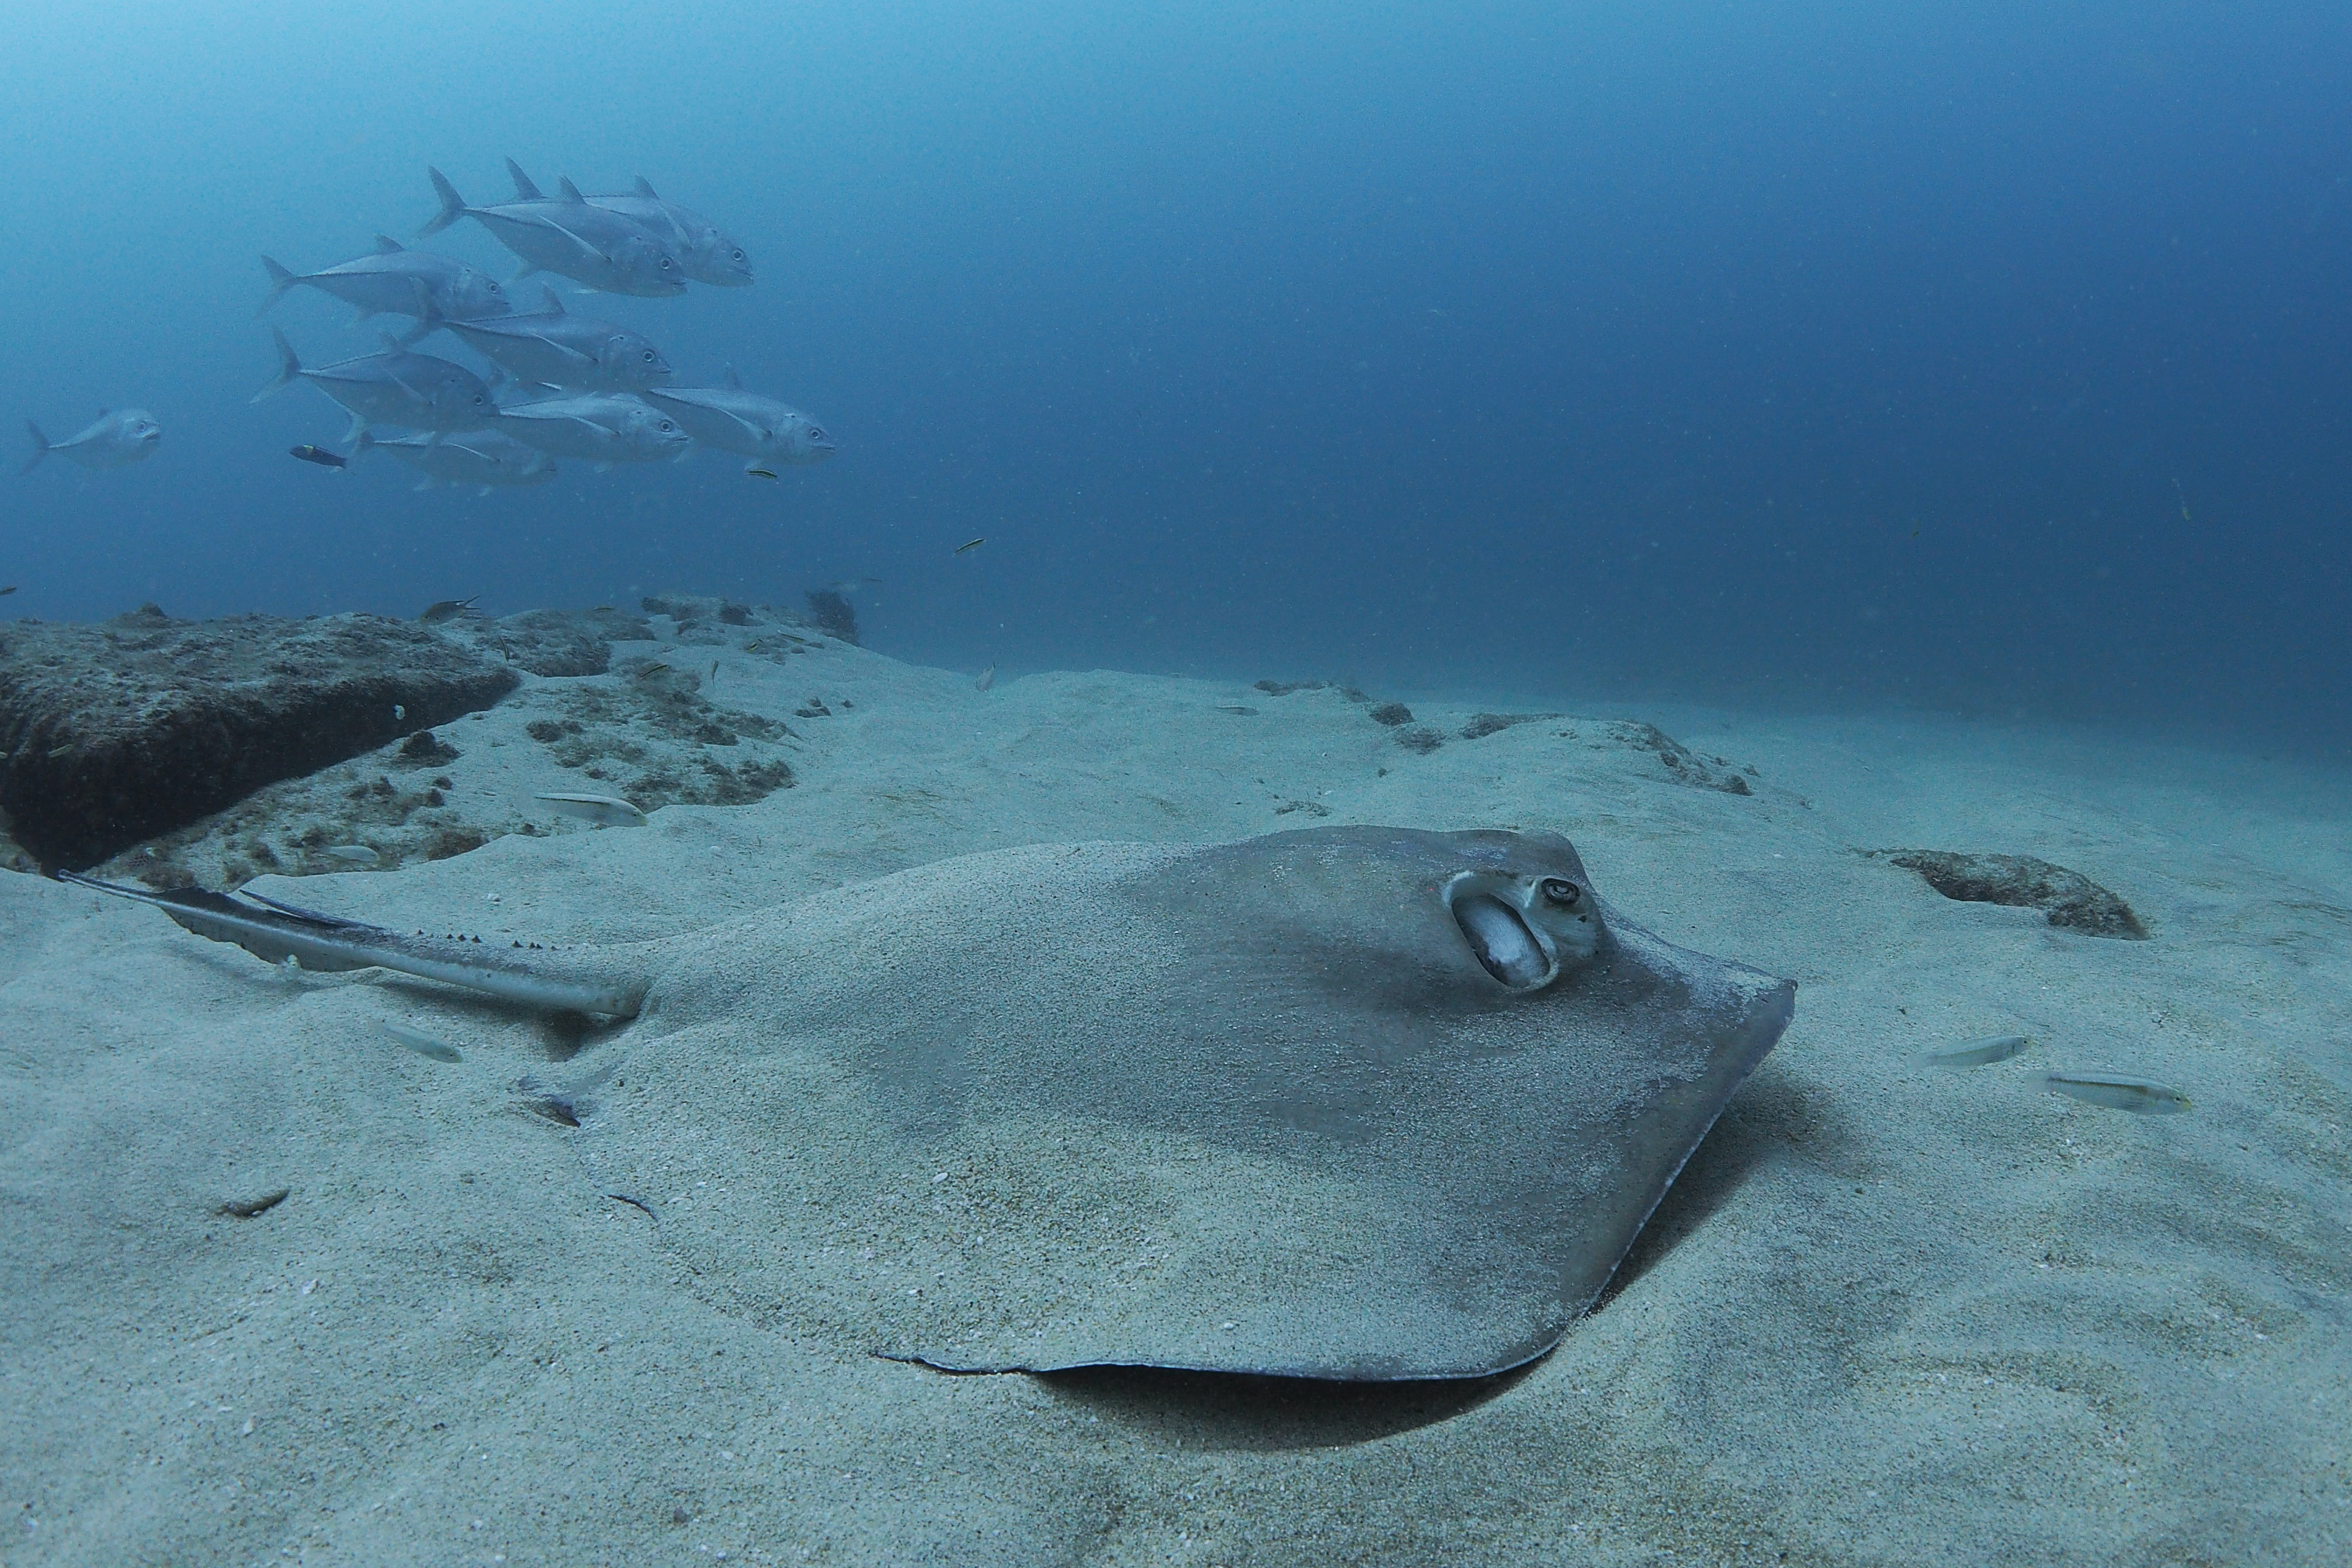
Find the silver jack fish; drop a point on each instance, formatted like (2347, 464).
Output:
(115, 439)
(558, 349)
(598, 427)
(748, 422)
(483, 458)
(395, 387)
(567, 236)
(707, 254)
(405, 282)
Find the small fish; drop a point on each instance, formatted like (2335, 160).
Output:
(972, 545)
(656, 668)
(1242, 708)
(987, 679)
(714, 673)
(443, 610)
(2115, 1093)
(8, 590)
(603, 810)
(357, 853)
(1978, 1053)
(251, 1208)
(758, 473)
(318, 455)
(423, 1044)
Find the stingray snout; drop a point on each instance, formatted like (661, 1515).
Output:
(1523, 929)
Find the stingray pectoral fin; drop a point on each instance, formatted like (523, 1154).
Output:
(275, 933)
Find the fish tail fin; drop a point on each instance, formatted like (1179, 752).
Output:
(357, 432)
(40, 449)
(361, 442)
(453, 206)
(288, 367)
(525, 191)
(280, 280)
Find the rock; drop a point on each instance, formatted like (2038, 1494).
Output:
(830, 614)
(558, 642)
(1421, 737)
(2073, 900)
(1482, 725)
(1391, 714)
(1285, 687)
(425, 750)
(1681, 761)
(115, 733)
(688, 608)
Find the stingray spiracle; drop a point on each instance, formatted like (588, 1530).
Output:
(1523, 929)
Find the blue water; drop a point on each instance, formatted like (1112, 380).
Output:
(1983, 357)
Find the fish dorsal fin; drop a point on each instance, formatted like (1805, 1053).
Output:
(554, 305)
(386, 246)
(568, 191)
(104, 412)
(730, 380)
(646, 188)
(524, 190)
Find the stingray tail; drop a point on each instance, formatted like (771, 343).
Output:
(275, 933)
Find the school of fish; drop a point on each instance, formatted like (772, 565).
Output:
(555, 384)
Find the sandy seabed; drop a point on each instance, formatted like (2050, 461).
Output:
(1890, 1314)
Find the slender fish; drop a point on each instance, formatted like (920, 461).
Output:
(1978, 1053)
(2114, 1092)
(423, 1044)
(603, 810)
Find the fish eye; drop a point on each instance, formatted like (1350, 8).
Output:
(1559, 891)
(479, 400)
(816, 433)
(668, 426)
(649, 356)
(736, 255)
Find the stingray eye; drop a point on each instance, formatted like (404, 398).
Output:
(1561, 893)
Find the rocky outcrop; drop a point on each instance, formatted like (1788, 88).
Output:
(110, 734)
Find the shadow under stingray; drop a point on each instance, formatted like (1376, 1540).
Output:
(1241, 1411)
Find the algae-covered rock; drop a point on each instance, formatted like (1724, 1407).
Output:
(114, 734)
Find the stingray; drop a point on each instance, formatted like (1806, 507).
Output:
(1351, 1103)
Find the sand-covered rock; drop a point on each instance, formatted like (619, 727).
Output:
(2024, 881)
(114, 734)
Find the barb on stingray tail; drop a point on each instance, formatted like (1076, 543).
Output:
(275, 933)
